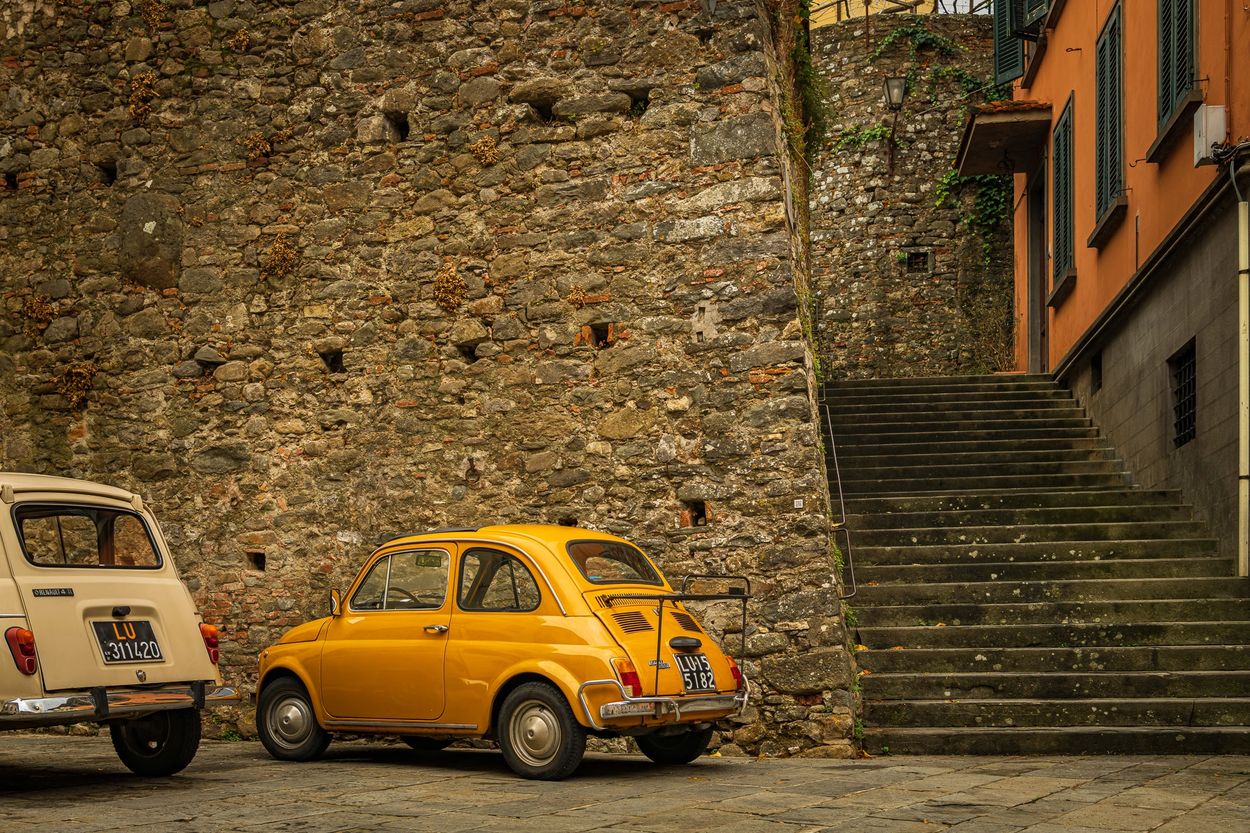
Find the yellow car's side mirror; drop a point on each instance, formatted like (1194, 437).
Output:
(336, 603)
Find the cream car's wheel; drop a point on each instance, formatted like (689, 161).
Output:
(538, 734)
(159, 744)
(287, 724)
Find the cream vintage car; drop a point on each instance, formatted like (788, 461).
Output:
(97, 625)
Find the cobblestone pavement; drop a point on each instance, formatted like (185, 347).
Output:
(59, 784)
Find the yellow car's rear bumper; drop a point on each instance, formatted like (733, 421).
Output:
(669, 709)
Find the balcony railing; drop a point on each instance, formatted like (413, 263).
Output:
(829, 11)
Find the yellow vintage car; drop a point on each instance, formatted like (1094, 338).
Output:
(536, 636)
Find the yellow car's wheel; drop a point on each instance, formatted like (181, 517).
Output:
(287, 724)
(675, 749)
(538, 734)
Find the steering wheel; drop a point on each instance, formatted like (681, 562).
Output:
(406, 594)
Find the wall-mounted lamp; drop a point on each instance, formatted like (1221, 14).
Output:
(895, 95)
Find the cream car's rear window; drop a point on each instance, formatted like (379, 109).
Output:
(68, 535)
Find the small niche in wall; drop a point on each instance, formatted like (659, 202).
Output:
(398, 121)
(640, 100)
(1095, 372)
(107, 170)
(695, 513)
(468, 352)
(567, 522)
(333, 361)
(10, 181)
(918, 262)
(600, 336)
(256, 561)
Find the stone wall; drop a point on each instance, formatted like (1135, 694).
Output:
(903, 286)
(307, 275)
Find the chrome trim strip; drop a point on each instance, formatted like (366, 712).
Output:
(396, 724)
(519, 549)
(12, 615)
(80, 705)
(678, 706)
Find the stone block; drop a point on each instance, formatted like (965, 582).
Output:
(149, 240)
(745, 137)
(813, 672)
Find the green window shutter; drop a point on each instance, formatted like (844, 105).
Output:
(1035, 10)
(1167, 44)
(1183, 51)
(1109, 116)
(1008, 49)
(1177, 25)
(1061, 190)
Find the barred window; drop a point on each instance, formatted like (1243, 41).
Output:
(1183, 367)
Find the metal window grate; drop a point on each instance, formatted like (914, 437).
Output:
(1183, 366)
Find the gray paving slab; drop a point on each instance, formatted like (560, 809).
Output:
(76, 785)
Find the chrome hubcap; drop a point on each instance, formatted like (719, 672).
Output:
(290, 721)
(535, 733)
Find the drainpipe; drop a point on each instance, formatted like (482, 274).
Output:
(1243, 375)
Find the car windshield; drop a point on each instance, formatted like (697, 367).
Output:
(611, 562)
(84, 536)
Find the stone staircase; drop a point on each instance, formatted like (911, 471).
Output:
(1017, 594)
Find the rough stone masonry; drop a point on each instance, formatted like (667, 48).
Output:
(310, 274)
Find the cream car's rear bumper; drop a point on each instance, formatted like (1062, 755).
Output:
(105, 703)
(675, 709)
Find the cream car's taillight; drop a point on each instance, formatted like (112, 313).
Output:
(22, 646)
(211, 643)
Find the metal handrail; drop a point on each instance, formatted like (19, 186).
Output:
(839, 526)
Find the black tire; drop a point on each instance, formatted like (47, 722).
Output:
(421, 744)
(287, 723)
(159, 744)
(538, 734)
(673, 750)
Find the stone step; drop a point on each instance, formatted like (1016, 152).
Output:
(854, 396)
(1033, 551)
(1066, 416)
(1021, 516)
(1038, 660)
(974, 484)
(1052, 740)
(880, 596)
(966, 425)
(843, 412)
(1055, 685)
(1015, 499)
(948, 471)
(1109, 711)
(940, 383)
(1003, 435)
(1051, 635)
(1106, 531)
(1087, 441)
(1119, 611)
(1143, 568)
(852, 462)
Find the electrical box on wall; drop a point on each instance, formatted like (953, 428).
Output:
(1210, 128)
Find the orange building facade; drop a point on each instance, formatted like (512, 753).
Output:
(1127, 121)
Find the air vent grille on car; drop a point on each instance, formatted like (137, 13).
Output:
(632, 621)
(686, 621)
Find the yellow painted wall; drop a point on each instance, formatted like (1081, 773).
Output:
(825, 12)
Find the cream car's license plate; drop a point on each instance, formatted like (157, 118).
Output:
(131, 641)
(696, 672)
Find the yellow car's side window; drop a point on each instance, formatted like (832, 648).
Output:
(405, 581)
(496, 581)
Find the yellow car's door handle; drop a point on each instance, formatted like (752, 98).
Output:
(436, 629)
